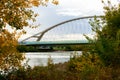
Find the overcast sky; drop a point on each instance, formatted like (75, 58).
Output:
(67, 9)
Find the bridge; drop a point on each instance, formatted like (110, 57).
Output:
(53, 43)
(68, 32)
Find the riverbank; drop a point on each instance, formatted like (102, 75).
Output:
(71, 70)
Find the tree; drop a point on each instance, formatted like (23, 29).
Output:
(9, 56)
(107, 41)
(15, 13)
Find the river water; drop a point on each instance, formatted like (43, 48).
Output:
(41, 58)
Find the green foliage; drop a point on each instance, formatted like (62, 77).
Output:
(101, 61)
(78, 63)
(107, 41)
(49, 72)
(85, 67)
(70, 47)
(23, 48)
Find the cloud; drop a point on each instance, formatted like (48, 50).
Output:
(67, 9)
(80, 7)
(69, 12)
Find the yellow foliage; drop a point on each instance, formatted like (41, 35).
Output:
(9, 56)
(85, 60)
(16, 13)
(35, 2)
(55, 2)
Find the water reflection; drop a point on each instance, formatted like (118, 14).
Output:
(41, 58)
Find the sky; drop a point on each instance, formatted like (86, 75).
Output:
(67, 9)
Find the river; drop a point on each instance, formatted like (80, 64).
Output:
(41, 58)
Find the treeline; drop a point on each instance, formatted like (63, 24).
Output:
(23, 48)
(100, 61)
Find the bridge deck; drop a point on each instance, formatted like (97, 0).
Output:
(67, 42)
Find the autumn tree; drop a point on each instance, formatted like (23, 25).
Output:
(107, 40)
(9, 56)
(16, 14)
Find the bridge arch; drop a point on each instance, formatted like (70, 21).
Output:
(41, 34)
